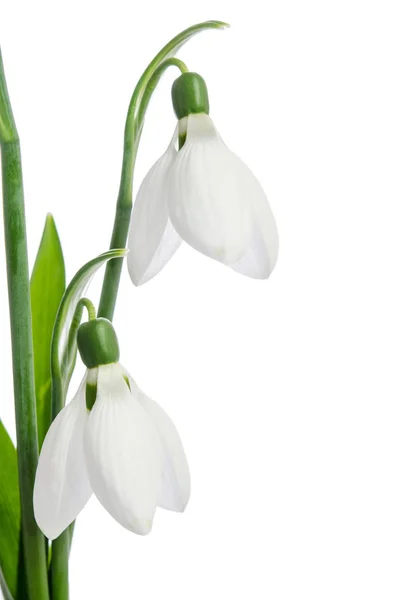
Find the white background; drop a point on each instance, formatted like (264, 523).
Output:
(284, 391)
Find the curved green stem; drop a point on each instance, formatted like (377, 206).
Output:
(135, 116)
(22, 345)
(88, 305)
(68, 365)
(153, 83)
(63, 344)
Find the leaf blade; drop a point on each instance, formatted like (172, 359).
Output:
(47, 286)
(10, 515)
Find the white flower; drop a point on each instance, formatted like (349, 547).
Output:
(126, 450)
(203, 194)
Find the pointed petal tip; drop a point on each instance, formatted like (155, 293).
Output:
(50, 533)
(131, 270)
(178, 508)
(142, 527)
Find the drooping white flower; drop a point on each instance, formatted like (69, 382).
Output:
(125, 449)
(205, 195)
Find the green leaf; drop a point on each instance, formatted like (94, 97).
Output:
(47, 286)
(4, 588)
(10, 518)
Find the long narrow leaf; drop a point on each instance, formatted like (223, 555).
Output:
(47, 286)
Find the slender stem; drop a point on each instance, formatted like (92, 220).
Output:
(59, 570)
(68, 365)
(59, 567)
(152, 84)
(136, 112)
(22, 346)
(88, 305)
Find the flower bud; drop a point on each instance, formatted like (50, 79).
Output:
(97, 343)
(190, 95)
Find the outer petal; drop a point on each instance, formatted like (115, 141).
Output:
(261, 257)
(175, 492)
(123, 453)
(207, 196)
(152, 238)
(61, 487)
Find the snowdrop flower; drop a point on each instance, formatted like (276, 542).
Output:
(199, 191)
(113, 440)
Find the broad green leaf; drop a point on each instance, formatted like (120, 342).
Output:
(10, 518)
(47, 286)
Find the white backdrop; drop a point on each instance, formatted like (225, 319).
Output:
(284, 391)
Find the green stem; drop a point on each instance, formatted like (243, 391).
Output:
(134, 122)
(88, 305)
(132, 132)
(59, 570)
(153, 83)
(22, 347)
(68, 365)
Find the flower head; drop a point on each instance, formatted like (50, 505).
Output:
(113, 440)
(201, 192)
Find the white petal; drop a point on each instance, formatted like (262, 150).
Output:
(123, 453)
(261, 257)
(176, 477)
(61, 487)
(152, 238)
(207, 199)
